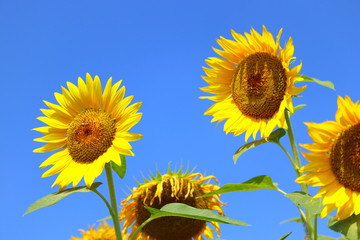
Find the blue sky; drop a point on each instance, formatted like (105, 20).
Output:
(158, 48)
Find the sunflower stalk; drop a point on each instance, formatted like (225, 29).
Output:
(311, 232)
(105, 201)
(288, 155)
(315, 227)
(138, 229)
(114, 213)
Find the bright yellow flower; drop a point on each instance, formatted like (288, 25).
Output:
(104, 232)
(90, 127)
(252, 82)
(335, 160)
(169, 188)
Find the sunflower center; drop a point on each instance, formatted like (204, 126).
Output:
(90, 135)
(172, 228)
(345, 158)
(259, 85)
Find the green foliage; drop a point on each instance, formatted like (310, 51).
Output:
(183, 210)
(105, 219)
(53, 198)
(246, 147)
(349, 227)
(298, 220)
(322, 83)
(285, 236)
(256, 183)
(274, 137)
(298, 107)
(302, 199)
(120, 170)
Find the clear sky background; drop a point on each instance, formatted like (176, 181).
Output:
(158, 48)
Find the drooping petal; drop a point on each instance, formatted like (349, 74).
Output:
(171, 187)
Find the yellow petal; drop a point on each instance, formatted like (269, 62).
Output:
(53, 138)
(317, 179)
(53, 123)
(60, 165)
(56, 157)
(128, 136)
(327, 210)
(121, 143)
(49, 147)
(128, 123)
(49, 130)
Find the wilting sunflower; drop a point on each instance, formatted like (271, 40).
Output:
(89, 128)
(104, 232)
(170, 188)
(335, 160)
(252, 82)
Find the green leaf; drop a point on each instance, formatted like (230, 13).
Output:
(285, 236)
(120, 170)
(350, 227)
(53, 198)
(298, 107)
(273, 137)
(256, 183)
(276, 135)
(183, 210)
(322, 83)
(314, 206)
(298, 220)
(246, 147)
(104, 219)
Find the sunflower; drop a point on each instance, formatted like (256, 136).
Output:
(252, 82)
(169, 188)
(89, 128)
(334, 160)
(104, 232)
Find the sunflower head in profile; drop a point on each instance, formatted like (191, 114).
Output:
(334, 160)
(253, 83)
(173, 187)
(88, 128)
(104, 232)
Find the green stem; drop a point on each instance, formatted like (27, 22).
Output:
(115, 215)
(283, 192)
(315, 227)
(297, 164)
(138, 229)
(105, 201)
(302, 214)
(287, 154)
(293, 145)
